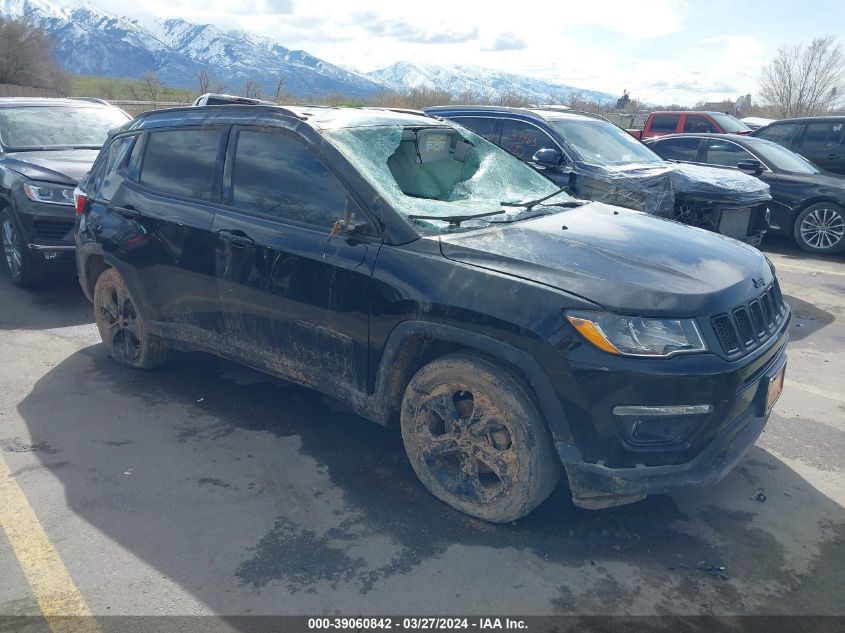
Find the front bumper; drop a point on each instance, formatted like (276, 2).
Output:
(48, 230)
(596, 486)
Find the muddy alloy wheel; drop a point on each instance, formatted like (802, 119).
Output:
(121, 327)
(476, 440)
(820, 228)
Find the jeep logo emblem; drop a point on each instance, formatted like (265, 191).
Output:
(758, 282)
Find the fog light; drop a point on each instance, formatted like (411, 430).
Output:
(642, 425)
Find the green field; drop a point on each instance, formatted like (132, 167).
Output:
(124, 89)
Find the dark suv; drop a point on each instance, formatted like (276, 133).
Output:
(597, 160)
(46, 146)
(432, 281)
(820, 140)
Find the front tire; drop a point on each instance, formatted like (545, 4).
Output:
(476, 440)
(820, 228)
(122, 328)
(22, 266)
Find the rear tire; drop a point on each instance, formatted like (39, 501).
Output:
(122, 328)
(820, 228)
(476, 440)
(25, 268)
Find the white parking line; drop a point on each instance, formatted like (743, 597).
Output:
(824, 393)
(821, 271)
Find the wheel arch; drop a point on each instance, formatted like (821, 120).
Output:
(413, 344)
(809, 202)
(93, 265)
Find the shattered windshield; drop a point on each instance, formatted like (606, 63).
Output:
(445, 172)
(602, 143)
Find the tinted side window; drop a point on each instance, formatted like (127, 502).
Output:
(782, 134)
(182, 162)
(275, 174)
(106, 177)
(726, 153)
(698, 123)
(524, 139)
(481, 126)
(678, 148)
(665, 122)
(822, 136)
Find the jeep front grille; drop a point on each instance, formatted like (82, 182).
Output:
(750, 325)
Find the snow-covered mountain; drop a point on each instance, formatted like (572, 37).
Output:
(485, 82)
(92, 42)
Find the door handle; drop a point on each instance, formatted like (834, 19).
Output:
(130, 213)
(237, 238)
(833, 156)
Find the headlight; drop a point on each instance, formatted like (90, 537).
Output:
(636, 336)
(48, 193)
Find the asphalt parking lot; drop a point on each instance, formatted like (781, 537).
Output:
(205, 488)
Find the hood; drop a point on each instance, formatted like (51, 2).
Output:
(655, 187)
(63, 166)
(625, 261)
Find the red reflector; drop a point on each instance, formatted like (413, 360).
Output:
(79, 201)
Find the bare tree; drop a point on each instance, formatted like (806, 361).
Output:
(252, 89)
(280, 89)
(203, 81)
(109, 90)
(26, 56)
(153, 83)
(805, 80)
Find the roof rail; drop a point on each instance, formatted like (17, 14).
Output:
(91, 100)
(402, 111)
(190, 108)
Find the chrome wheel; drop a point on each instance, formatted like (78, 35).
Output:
(822, 228)
(11, 248)
(120, 319)
(465, 444)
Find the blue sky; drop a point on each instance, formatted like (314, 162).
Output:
(662, 51)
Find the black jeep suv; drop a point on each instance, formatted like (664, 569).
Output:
(46, 146)
(433, 281)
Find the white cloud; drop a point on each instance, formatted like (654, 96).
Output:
(660, 50)
(504, 41)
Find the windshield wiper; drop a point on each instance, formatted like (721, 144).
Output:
(533, 203)
(455, 220)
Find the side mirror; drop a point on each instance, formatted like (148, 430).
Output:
(351, 227)
(548, 157)
(751, 165)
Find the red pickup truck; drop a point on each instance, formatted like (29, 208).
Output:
(660, 123)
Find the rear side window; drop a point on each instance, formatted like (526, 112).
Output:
(665, 122)
(726, 153)
(698, 123)
(276, 175)
(822, 136)
(523, 139)
(482, 126)
(107, 175)
(782, 134)
(182, 162)
(685, 149)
